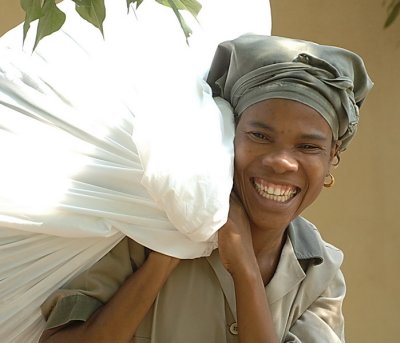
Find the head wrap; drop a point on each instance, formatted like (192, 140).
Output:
(331, 80)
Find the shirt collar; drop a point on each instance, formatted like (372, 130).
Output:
(306, 240)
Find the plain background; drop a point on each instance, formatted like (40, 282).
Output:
(359, 214)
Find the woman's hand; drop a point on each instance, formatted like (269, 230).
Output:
(235, 241)
(237, 254)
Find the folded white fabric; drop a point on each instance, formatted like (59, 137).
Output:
(73, 169)
(88, 122)
(105, 138)
(31, 267)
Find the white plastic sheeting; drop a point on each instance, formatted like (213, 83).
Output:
(105, 138)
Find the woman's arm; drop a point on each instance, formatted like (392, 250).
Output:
(237, 254)
(116, 321)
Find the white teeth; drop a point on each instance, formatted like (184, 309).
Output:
(275, 193)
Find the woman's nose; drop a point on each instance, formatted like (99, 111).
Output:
(280, 162)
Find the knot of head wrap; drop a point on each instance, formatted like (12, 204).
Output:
(331, 80)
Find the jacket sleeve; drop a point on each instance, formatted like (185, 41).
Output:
(81, 297)
(322, 321)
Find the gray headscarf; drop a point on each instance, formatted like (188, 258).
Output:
(331, 80)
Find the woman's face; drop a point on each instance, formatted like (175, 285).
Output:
(283, 151)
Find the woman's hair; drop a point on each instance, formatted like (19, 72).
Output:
(329, 79)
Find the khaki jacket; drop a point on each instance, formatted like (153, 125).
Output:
(197, 304)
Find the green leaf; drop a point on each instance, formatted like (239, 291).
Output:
(392, 4)
(138, 3)
(93, 11)
(192, 6)
(393, 14)
(51, 18)
(50, 21)
(33, 11)
(186, 29)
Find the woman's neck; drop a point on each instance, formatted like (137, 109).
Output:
(268, 246)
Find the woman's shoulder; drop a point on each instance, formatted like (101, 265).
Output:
(308, 244)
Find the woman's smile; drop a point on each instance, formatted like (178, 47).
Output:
(277, 192)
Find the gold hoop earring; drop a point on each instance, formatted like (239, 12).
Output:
(331, 181)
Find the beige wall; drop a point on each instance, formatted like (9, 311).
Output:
(358, 214)
(10, 14)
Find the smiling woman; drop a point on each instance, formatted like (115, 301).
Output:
(297, 107)
(272, 278)
(283, 151)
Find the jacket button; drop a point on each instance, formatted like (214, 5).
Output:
(233, 329)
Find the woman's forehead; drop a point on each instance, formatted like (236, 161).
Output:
(277, 114)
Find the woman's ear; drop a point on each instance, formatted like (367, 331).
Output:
(335, 153)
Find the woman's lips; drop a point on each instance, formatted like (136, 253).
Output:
(275, 192)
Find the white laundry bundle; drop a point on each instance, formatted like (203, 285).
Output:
(105, 138)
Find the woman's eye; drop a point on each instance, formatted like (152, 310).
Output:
(259, 136)
(310, 147)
